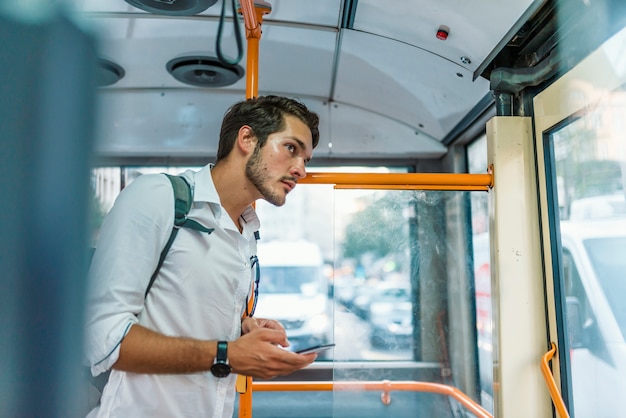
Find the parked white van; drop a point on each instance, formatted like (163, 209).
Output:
(294, 291)
(594, 264)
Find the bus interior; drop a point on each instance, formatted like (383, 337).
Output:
(466, 196)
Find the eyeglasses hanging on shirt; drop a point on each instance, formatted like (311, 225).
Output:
(254, 261)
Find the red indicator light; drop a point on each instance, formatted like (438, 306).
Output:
(442, 32)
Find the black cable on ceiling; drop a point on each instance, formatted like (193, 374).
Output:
(348, 14)
(238, 37)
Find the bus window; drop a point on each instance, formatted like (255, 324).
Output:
(386, 275)
(106, 184)
(481, 253)
(590, 160)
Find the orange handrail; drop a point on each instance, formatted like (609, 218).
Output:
(552, 388)
(385, 386)
(408, 181)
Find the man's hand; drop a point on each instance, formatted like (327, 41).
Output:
(252, 323)
(257, 354)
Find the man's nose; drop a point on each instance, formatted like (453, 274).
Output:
(299, 169)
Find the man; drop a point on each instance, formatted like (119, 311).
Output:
(162, 349)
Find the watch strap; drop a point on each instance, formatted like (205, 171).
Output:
(221, 355)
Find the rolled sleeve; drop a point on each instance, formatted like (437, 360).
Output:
(114, 340)
(130, 242)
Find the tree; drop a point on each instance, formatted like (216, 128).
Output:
(379, 230)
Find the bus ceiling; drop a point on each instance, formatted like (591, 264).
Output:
(386, 81)
(379, 75)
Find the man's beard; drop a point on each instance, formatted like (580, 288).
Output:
(256, 173)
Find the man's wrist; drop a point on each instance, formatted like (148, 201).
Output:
(220, 367)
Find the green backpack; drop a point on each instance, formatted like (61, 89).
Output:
(183, 199)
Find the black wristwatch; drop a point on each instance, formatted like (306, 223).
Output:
(220, 366)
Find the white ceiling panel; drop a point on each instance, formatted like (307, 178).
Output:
(151, 43)
(179, 122)
(104, 6)
(296, 61)
(414, 86)
(175, 123)
(292, 60)
(416, 22)
(357, 133)
(318, 12)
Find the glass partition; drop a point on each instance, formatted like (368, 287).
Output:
(400, 282)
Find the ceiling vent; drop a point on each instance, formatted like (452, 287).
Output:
(173, 7)
(108, 72)
(204, 71)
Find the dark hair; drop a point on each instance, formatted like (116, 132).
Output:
(265, 115)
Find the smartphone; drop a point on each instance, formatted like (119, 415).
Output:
(315, 349)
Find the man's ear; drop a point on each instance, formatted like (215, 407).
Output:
(246, 139)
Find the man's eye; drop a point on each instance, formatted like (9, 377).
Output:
(291, 148)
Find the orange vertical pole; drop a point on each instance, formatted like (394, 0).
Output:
(245, 400)
(252, 68)
(253, 12)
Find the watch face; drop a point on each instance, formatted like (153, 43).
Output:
(220, 369)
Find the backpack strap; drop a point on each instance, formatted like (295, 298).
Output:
(183, 199)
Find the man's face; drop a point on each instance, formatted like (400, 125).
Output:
(276, 168)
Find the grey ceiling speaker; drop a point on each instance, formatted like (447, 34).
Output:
(173, 7)
(108, 72)
(204, 71)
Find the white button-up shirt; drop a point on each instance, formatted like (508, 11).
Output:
(200, 292)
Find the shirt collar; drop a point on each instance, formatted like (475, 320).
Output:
(204, 188)
(204, 191)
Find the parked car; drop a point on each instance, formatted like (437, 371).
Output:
(390, 313)
(346, 288)
(362, 299)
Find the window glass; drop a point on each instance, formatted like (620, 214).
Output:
(477, 160)
(383, 274)
(609, 265)
(106, 184)
(362, 236)
(590, 161)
